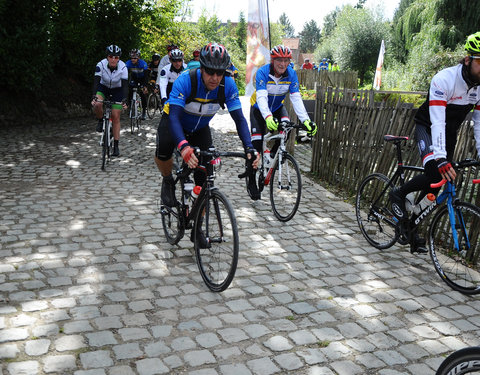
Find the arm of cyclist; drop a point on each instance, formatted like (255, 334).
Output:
(96, 81)
(187, 152)
(124, 92)
(162, 82)
(476, 127)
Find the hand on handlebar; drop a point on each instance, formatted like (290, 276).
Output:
(446, 170)
(253, 156)
(311, 127)
(272, 123)
(188, 155)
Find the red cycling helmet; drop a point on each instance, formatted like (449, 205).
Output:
(280, 51)
(196, 53)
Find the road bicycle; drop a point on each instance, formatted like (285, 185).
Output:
(154, 103)
(106, 139)
(280, 172)
(210, 216)
(453, 233)
(463, 361)
(135, 110)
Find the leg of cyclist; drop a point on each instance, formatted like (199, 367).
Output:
(98, 111)
(420, 182)
(257, 124)
(116, 128)
(164, 161)
(202, 139)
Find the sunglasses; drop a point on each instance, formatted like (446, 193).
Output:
(211, 72)
(114, 57)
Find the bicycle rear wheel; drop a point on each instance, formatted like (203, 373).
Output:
(374, 215)
(152, 105)
(172, 223)
(463, 361)
(285, 187)
(458, 268)
(217, 258)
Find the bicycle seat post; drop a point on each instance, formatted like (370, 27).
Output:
(398, 146)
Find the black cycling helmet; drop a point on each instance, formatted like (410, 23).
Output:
(135, 53)
(155, 57)
(214, 56)
(113, 50)
(176, 55)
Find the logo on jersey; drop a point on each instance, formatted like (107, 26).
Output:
(439, 93)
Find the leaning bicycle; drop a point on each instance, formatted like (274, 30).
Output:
(106, 139)
(280, 171)
(210, 216)
(453, 234)
(463, 361)
(135, 114)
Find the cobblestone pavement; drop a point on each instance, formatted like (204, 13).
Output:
(89, 286)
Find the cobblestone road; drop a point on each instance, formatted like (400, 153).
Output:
(89, 286)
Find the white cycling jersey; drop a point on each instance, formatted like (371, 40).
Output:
(448, 103)
(166, 77)
(111, 78)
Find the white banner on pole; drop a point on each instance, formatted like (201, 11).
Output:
(258, 45)
(377, 81)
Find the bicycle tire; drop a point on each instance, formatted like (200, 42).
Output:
(463, 361)
(132, 115)
(374, 215)
(458, 269)
(172, 223)
(139, 116)
(105, 151)
(218, 261)
(152, 105)
(285, 193)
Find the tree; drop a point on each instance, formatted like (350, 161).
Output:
(241, 32)
(309, 37)
(288, 29)
(360, 4)
(356, 40)
(330, 22)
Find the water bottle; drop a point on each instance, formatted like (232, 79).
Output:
(196, 191)
(410, 202)
(424, 203)
(188, 187)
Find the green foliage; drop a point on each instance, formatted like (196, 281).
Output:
(329, 23)
(355, 41)
(241, 33)
(288, 29)
(309, 37)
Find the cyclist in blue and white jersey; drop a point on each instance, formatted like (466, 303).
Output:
(273, 82)
(138, 71)
(111, 78)
(453, 93)
(185, 121)
(169, 74)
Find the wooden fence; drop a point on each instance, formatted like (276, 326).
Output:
(349, 144)
(312, 78)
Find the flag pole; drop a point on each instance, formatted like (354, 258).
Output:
(269, 39)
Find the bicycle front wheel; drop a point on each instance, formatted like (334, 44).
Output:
(456, 261)
(216, 241)
(374, 215)
(133, 115)
(152, 105)
(105, 150)
(463, 361)
(285, 187)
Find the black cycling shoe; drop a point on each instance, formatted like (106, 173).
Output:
(252, 188)
(116, 151)
(168, 191)
(201, 239)
(144, 116)
(99, 127)
(398, 204)
(418, 245)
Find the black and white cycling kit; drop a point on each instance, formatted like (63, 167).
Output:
(167, 76)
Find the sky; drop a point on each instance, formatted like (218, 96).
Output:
(298, 12)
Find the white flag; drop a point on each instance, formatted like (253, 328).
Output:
(258, 51)
(377, 81)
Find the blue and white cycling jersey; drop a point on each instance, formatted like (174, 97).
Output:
(138, 70)
(198, 113)
(275, 89)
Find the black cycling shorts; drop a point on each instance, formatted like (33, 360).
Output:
(116, 93)
(257, 122)
(423, 137)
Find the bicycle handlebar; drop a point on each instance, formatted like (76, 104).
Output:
(458, 165)
(106, 101)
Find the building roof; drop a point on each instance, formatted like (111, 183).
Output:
(292, 43)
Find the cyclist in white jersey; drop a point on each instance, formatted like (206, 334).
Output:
(169, 74)
(111, 79)
(453, 93)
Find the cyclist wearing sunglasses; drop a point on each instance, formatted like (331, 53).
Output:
(169, 74)
(111, 78)
(453, 93)
(185, 123)
(138, 71)
(273, 82)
